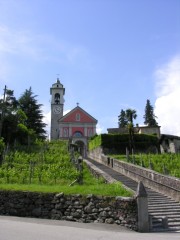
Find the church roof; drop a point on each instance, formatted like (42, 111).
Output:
(72, 116)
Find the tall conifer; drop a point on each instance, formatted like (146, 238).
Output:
(149, 117)
(29, 104)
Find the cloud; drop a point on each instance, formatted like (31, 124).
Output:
(47, 120)
(39, 46)
(17, 42)
(99, 129)
(167, 106)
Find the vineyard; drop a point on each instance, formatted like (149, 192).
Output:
(168, 164)
(49, 167)
(49, 164)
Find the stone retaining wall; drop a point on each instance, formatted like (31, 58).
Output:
(118, 210)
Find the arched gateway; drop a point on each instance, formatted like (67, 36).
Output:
(77, 126)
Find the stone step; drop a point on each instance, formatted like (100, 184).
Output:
(165, 204)
(169, 229)
(170, 223)
(162, 201)
(176, 219)
(159, 224)
(164, 213)
(152, 193)
(158, 197)
(162, 208)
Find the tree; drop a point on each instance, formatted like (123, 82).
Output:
(126, 120)
(122, 120)
(32, 109)
(2, 146)
(130, 115)
(8, 106)
(149, 117)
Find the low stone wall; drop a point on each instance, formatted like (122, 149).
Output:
(119, 210)
(96, 154)
(167, 185)
(98, 173)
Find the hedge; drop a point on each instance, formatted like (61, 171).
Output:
(119, 142)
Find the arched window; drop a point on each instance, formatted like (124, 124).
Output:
(78, 134)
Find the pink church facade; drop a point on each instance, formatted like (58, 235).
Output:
(77, 126)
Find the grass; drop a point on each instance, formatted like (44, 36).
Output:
(114, 189)
(90, 185)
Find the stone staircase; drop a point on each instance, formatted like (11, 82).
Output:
(164, 212)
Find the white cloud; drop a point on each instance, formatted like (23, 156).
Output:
(17, 42)
(99, 129)
(39, 46)
(167, 105)
(47, 120)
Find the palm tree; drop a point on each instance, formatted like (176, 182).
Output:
(130, 115)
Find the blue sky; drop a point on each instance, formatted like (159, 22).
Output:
(109, 54)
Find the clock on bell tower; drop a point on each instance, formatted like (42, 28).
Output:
(57, 92)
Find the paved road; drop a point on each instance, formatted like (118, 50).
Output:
(14, 228)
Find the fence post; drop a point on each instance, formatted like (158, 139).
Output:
(142, 203)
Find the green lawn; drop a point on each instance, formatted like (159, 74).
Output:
(98, 189)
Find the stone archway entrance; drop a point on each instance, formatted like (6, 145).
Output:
(82, 147)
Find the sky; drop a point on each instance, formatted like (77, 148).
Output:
(108, 54)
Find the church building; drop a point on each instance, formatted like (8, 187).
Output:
(77, 125)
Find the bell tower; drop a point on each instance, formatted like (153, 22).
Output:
(57, 92)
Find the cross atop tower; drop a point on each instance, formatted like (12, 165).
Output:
(58, 77)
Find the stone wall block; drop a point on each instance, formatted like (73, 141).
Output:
(72, 208)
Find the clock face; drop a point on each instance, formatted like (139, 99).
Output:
(57, 109)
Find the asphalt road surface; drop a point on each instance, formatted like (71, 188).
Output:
(14, 228)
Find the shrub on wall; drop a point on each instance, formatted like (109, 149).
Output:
(119, 142)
